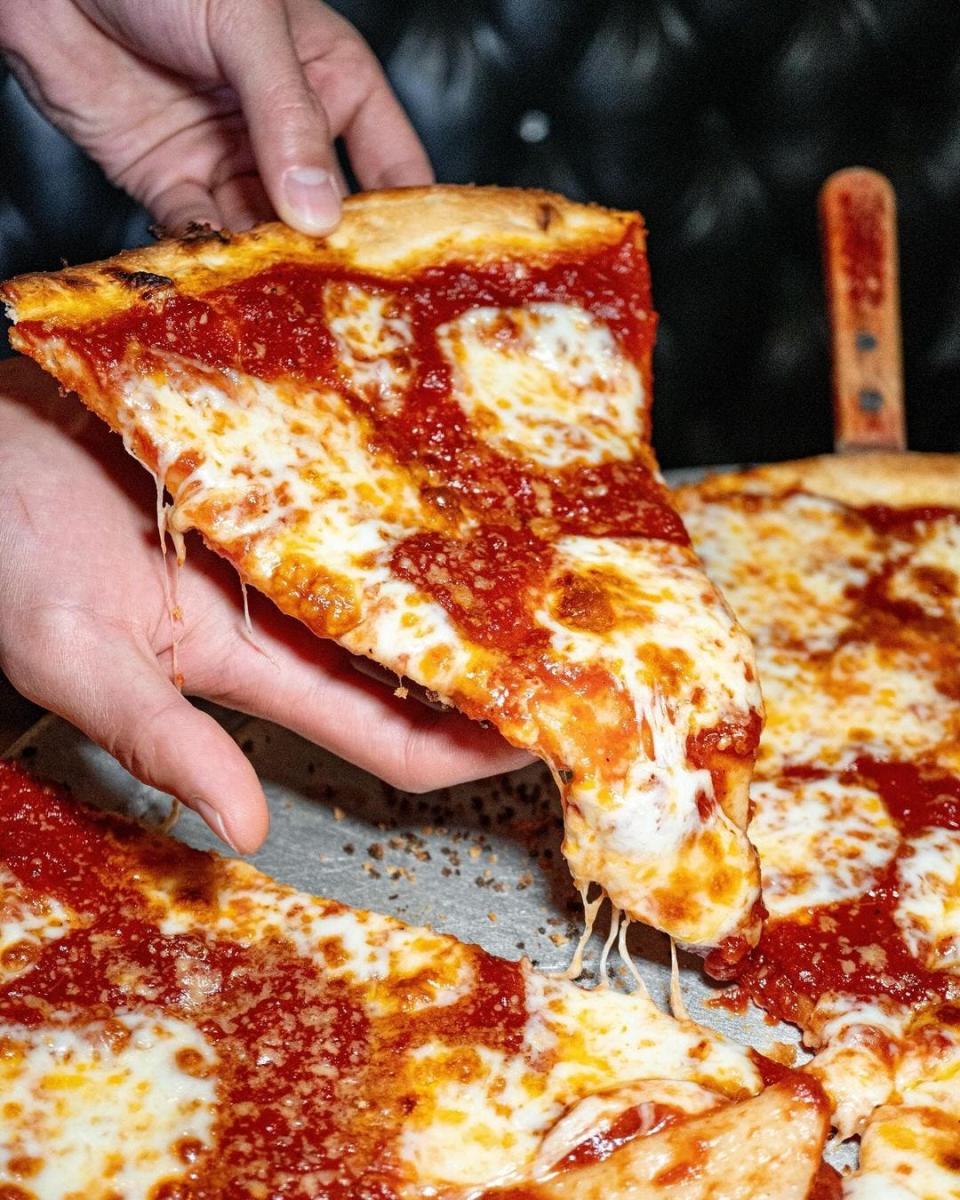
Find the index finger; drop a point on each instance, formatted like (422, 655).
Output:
(289, 132)
(343, 72)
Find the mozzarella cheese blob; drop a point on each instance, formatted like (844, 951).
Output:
(27, 921)
(545, 382)
(107, 1109)
(928, 911)
(819, 840)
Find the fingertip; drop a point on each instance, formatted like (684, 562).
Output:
(198, 761)
(309, 200)
(242, 835)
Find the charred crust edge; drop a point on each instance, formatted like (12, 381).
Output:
(139, 281)
(546, 215)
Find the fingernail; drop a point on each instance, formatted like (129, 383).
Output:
(214, 819)
(311, 196)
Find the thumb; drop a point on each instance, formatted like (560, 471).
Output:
(288, 127)
(124, 702)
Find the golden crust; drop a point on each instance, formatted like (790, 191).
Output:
(389, 232)
(907, 479)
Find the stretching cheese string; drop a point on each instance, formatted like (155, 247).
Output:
(619, 927)
(590, 910)
(171, 600)
(171, 596)
(248, 631)
(627, 960)
(615, 918)
(677, 1006)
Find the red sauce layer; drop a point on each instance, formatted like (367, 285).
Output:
(888, 519)
(856, 946)
(309, 1078)
(483, 581)
(640, 1121)
(272, 326)
(828, 1184)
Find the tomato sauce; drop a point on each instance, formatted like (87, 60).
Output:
(309, 1077)
(856, 946)
(886, 518)
(640, 1121)
(272, 325)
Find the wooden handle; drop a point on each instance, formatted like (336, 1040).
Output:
(859, 222)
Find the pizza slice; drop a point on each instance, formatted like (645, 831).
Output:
(846, 571)
(177, 1025)
(427, 436)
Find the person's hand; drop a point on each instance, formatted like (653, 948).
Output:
(215, 111)
(85, 631)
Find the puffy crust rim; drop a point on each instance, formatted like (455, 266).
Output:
(390, 232)
(905, 479)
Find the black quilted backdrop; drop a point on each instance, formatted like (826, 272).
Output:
(718, 119)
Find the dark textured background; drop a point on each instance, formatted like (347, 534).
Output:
(718, 119)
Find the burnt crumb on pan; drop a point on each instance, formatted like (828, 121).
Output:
(140, 281)
(546, 215)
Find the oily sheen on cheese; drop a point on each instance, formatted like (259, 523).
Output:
(847, 575)
(193, 1029)
(428, 437)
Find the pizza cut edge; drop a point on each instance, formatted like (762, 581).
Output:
(711, 897)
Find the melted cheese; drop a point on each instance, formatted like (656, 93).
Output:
(645, 823)
(832, 691)
(846, 675)
(819, 840)
(546, 382)
(27, 921)
(908, 1154)
(361, 947)
(928, 911)
(107, 1101)
(374, 340)
(102, 1110)
(862, 699)
(913, 1146)
(803, 550)
(858, 1044)
(500, 1118)
(929, 575)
